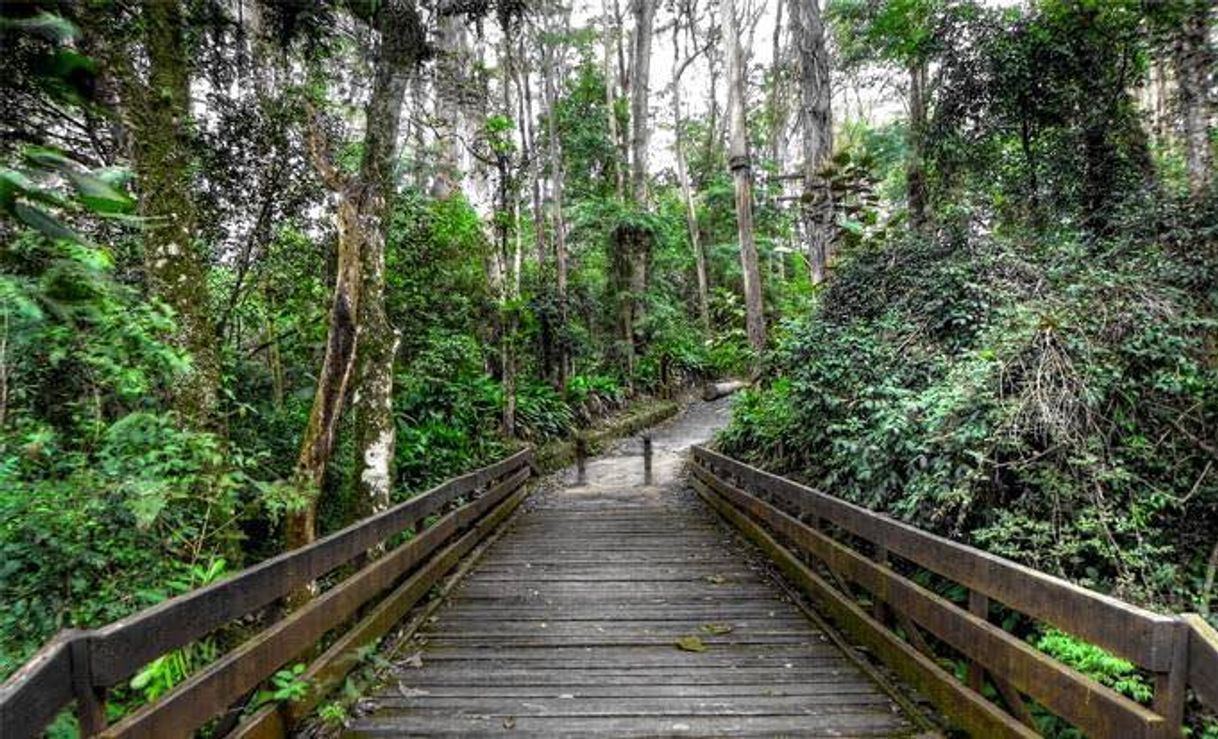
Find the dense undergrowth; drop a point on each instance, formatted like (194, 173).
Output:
(1048, 397)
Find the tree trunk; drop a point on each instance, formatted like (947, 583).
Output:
(640, 81)
(317, 443)
(687, 195)
(1192, 65)
(525, 95)
(915, 172)
(175, 262)
(357, 313)
(619, 168)
(742, 176)
(778, 92)
(816, 118)
(450, 64)
(507, 217)
(553, 72)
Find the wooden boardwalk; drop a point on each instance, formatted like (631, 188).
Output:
(570, 624)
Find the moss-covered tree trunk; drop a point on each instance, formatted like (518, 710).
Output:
(358, 329)
(317, 443)
(742, 177)
(915, 173)
(1193, 68)
(816, 117)
(174, 260)
(451, 65)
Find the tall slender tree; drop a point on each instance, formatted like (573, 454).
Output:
(610, 30)
(816, 122)
(553, 72)
(640, 90)
(742, 175)
(687, 196)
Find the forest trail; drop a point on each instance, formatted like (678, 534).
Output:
(571, 624)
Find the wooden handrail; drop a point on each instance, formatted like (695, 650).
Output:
(1179, 651)
(79, 664)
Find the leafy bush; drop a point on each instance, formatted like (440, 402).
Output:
(542, 414)
(112, 531)
(1089, 659)
(1045, 396)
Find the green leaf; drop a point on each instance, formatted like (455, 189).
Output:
(54, 28)
(98, 195)
(691, 644)
(44, 223)
(47, 157)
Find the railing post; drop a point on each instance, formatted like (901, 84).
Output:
(1171, 686)
(646, 459)
(581, 460)
(879, 608)
(90, 701)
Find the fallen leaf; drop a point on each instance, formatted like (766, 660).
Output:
(716, 579)
(718, 629)
(415, 660)
(509, 722)
(408, 692)
(691, 644)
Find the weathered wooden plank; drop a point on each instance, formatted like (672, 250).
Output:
(1093, 707)
(122, 648)
(700, 612)
(757, 704)
(1141, 636)
(494, 629)
(972, 712)
(617, 590)
(778, 656)
(201, 696)
(644, 576)
(869, 724)
(605, 677)
(838, 687)
(440, 641)
(38, 691)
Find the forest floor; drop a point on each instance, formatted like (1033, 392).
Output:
(622, 608)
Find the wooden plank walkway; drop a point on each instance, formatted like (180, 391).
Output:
(569, 626)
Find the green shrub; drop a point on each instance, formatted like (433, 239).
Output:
(1044, 397)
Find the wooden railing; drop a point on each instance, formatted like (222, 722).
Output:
(861, 566)
(80, 666)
